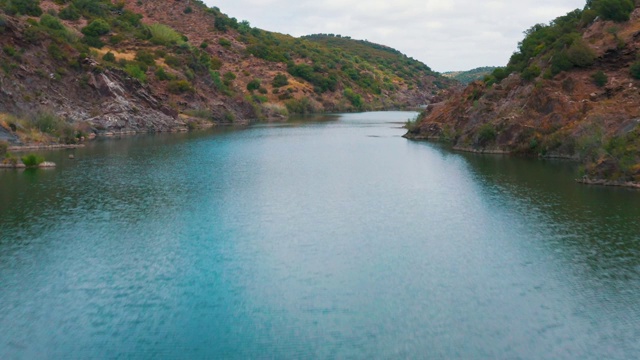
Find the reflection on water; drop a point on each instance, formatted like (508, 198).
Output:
(325, 237)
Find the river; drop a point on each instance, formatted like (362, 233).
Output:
(329, 237)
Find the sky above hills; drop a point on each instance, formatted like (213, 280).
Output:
(445, 34)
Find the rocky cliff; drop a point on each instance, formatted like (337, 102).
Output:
(584, 108)
(136, 66)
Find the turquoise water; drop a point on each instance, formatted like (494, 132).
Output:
(331, 237)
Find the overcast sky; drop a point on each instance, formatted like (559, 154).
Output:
(444, 34)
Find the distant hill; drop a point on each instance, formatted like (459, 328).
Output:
(97, 66)
(470, 76)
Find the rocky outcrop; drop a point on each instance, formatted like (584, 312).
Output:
(564, 116)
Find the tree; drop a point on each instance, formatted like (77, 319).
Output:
(616, 10)
(600, 78)
(280, 80)
(96, 28)
(25, 7)
(253, 85)
(580, 54)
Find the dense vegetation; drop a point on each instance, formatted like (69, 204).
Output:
(549, 49)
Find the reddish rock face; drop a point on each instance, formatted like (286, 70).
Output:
(100, 95)
(565, 116)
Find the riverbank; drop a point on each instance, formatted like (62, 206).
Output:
(599, 182)
(585, 180)
(43, 165)
(40, 147)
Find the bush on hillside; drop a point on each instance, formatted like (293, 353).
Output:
(51, 22)
(354, 98)
(486, 134)
(600, 78)
(145, 57)
(24, 7)
(69, 13)
(4, 146)
(46, 122)
(531, 73)
(96, 28)
(253, 85)
(635, 70)
(616, 10)
(135, 71)
(580, 54)
(109, 57)
(280, 80)
(164, 35)
(179, 86)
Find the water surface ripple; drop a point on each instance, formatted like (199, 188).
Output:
(331, 238)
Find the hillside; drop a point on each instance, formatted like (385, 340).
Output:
(470, 76)
(571, 91)
(82, 67)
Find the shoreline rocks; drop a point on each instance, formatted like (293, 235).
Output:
(601, 182)
(44, 165)
(21, 148)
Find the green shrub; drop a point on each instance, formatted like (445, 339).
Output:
(199, 113)
(93, 41)
(188, 10)
(635, 70)
(204, 45)
(228, 78)
(4, 146)
(51, 22)
(163, 75)
(96, 28)
(164, 35)
(280, 80)
(145, 57)
(580, 54)
(32, 160)
(224, 42)
(229, 117)
(135, 71)
(301, 106)
(259, 98)
(486, 134)
(24, 7)
(215, 63)
(109, 57)
(55, 52)
(600, 78)
(69, 13)
(253, 85)
(354, 98)
(616, 10)
(218, 84)
(46, 122)
(179, 86)
(9, 50)
(531, 73)
(173, 61)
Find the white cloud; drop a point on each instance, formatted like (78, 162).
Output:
(444, 34)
